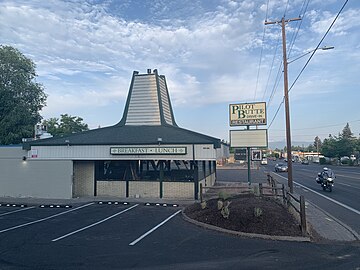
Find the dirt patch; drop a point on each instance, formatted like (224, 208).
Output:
(272, 219)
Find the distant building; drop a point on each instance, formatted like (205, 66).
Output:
(145, 155)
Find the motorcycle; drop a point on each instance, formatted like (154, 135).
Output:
(326, 181)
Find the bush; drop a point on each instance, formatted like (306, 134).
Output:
(203, 205)
(258, 212)
(324, 160)
(223, 195)
(225, 211)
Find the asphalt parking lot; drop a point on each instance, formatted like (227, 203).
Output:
(82, 222)
(137, 236)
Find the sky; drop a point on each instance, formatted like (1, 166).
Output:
(213, 53)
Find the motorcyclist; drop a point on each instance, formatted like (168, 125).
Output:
(326, 173)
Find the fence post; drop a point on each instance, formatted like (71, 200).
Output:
(272, 185)
(283, 193)
(302, 215)
(260, 189)
(201, 192)
(288, 198)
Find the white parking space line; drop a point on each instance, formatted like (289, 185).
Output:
(94, 224)
(19, 210)
(153, 229)
(328, 198)
(43, 219)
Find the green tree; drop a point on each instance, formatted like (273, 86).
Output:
(311, 148)
(343, 145)
(346, 133)
(67, 124)
(317, 144)
(347, 142)
(21, 97)
(329, 147)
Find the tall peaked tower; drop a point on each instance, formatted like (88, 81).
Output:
(148, 102)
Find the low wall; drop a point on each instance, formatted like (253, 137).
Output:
(111, 188)
(181, 190)
(146, 189)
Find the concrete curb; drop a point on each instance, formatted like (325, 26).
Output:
(248, 235)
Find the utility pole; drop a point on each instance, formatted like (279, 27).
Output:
(286, 99)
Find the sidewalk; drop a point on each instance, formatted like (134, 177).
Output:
(328, 227)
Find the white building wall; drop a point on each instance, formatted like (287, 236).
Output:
(33, 178)
(102, 152)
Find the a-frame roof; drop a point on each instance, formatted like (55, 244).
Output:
(148, 116)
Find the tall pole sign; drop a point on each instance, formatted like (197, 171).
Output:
(248, 114)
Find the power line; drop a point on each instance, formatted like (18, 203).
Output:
(276, 84)
(261, 52)
(299, 24)
(317, 47)
(277, 111)
(272, 65)
(319, 127)
(277, 80)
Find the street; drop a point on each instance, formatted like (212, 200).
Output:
(342, 203)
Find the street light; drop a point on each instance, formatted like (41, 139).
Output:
(325, 48)
(286, 100)
(286, 92)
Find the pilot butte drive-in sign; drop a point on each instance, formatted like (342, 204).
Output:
(248, 114)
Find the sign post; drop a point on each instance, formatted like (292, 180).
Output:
(249, 160)
(247, 114)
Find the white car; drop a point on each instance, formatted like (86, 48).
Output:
(264, 161)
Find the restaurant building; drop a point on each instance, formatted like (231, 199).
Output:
(145, 155)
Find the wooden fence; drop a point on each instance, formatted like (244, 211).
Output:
(297, 204)
(273, 189)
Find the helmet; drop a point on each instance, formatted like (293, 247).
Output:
(325, 169)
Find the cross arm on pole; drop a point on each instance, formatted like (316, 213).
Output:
(285, 21)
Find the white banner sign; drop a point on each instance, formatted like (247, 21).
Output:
(148, 150)
(248, 138)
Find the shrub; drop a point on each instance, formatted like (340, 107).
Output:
(220, 204)
(225, 211)
(258, 212)
(223, 195)
(203, 205)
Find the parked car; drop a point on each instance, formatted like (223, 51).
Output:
(264, 161)
(281, 167)
(305, 162)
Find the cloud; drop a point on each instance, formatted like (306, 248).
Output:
(321, 21)
(85, 51)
